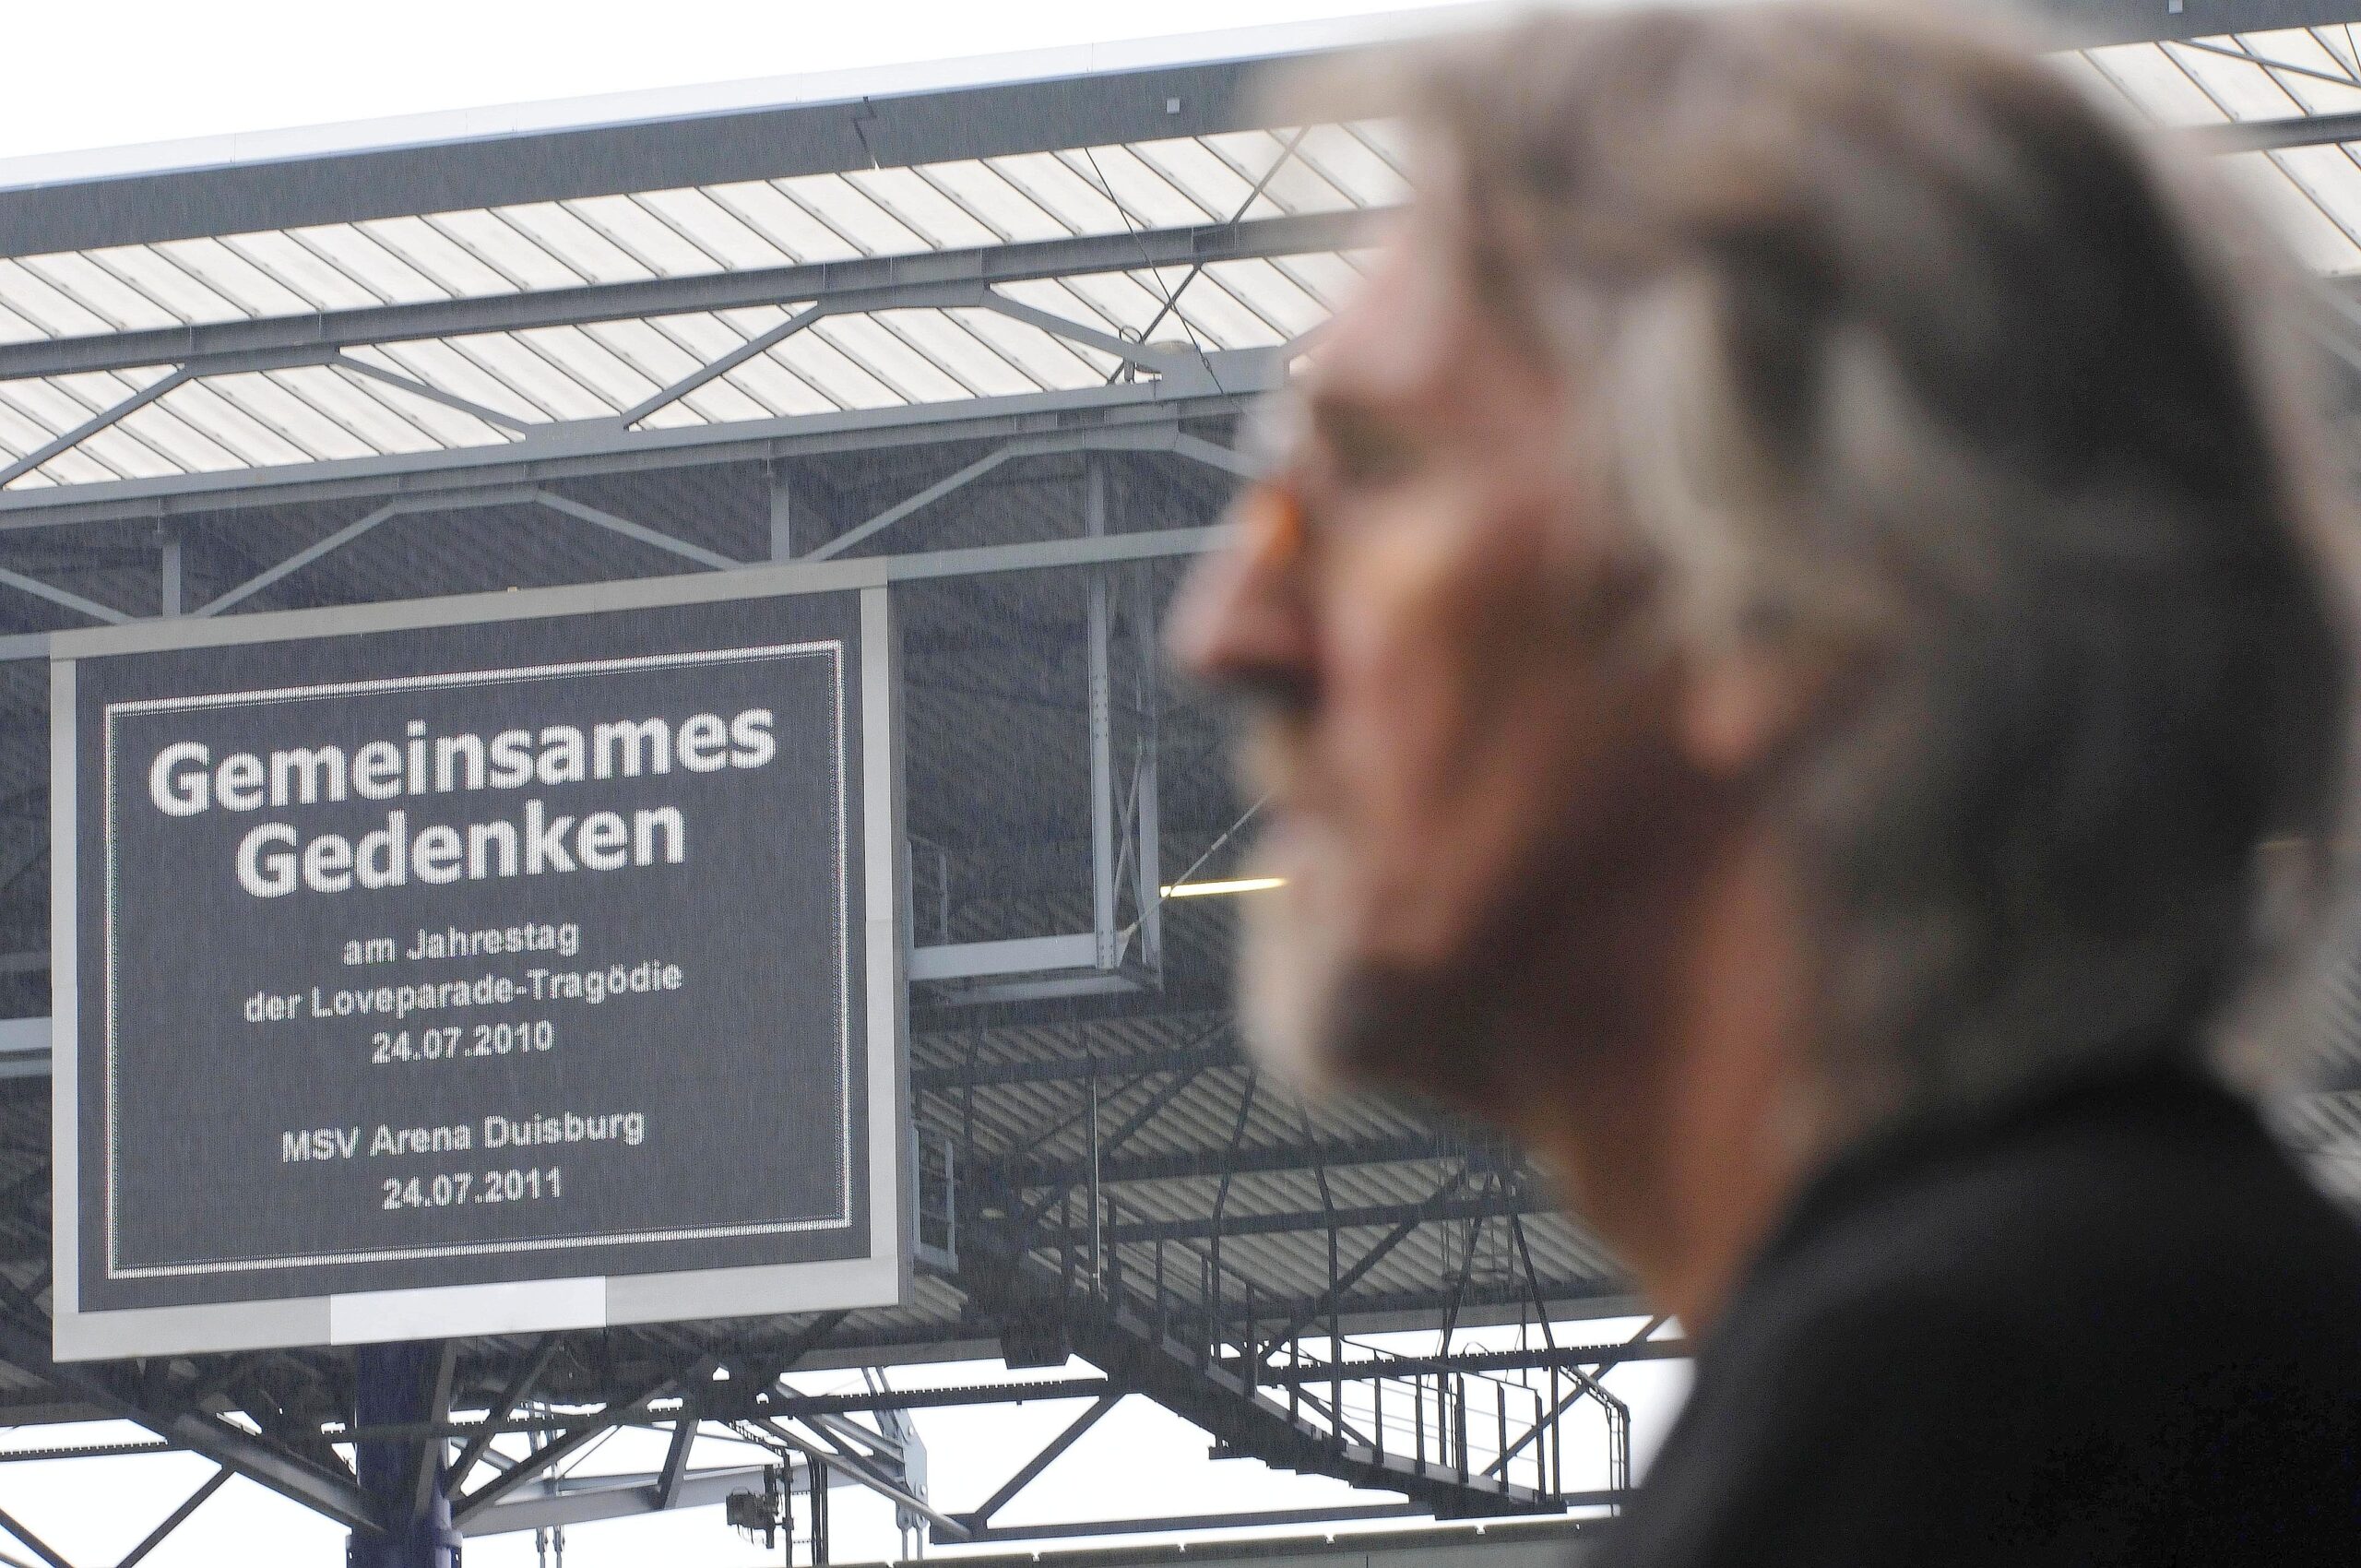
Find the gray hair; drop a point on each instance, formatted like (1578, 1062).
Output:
(1898, 350)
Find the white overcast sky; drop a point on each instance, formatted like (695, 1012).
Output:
(139, 71)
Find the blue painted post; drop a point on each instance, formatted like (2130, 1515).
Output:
(393, 1385)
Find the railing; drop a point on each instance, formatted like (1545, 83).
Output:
(1470, 1425)
(1491, 1431)
(1494, 1422)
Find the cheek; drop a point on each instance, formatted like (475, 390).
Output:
(1445, 716)
(1399, 668)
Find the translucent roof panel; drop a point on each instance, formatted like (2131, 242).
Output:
(496, 376)
(697, 230)
(411, 394)
(2265, 78)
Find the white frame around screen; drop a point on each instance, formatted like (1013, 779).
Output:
(880, 1277)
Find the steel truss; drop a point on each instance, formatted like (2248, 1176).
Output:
(1045, 1241)
(1452, 1443)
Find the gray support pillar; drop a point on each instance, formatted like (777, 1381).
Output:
(782, 511)
(1097, 1204)
(169, 539)
(797, 526)
(1149, 701)
(394, 1385)
(1102, 729)
(819, 1473)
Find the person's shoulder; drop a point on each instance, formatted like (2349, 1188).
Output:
(2166, 1202)
(2118, 1329)
(2124, 1262)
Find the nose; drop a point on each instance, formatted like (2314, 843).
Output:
(1241, 622)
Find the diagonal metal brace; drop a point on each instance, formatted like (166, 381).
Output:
(838, 1455)
(74, 601)
(174, 1521)
(519, 1387)
(101, 420)
(324, 1491)
(1042, 1461)
(762, 343)
(571, 1442)
(640, 531)
(431, 393)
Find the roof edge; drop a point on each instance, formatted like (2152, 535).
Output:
(1040, 101)
(618, 111)
(770, 127)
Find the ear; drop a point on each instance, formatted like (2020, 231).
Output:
(1738, 709)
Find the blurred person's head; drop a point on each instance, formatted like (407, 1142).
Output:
(1791, 596)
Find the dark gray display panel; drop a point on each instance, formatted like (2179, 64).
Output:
(448, 960)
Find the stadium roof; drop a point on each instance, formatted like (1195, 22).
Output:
(654, 270)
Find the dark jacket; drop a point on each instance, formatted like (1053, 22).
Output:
(2111, 1326)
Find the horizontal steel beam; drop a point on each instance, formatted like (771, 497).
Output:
(1197, 1228)
(1019, 955)
(782, 1402)
(1174, 1524)
(699, 147)
(579, 1500)
(1496, 1543)
(1141, 412)
(85, 1450)
(2264, 136)
(1070, 1069)
(918, 565)
(865, 284)
(1255, 1158)
(1387, 1312)
(943, 1398)
(1534, 1358)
